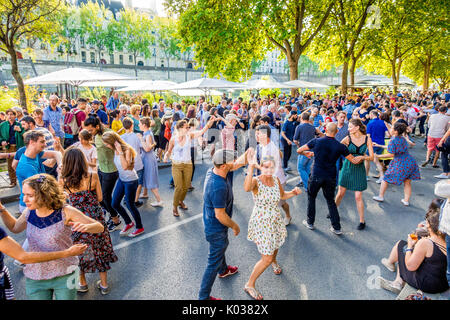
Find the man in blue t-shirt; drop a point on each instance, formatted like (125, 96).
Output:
(376, 130)
(30, 162)
(217, 213)
(326, 151)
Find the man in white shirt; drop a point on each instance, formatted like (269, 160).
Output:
(266, 147)
(437, 127)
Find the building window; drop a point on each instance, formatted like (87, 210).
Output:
(83, 56)
(92, 57)
(111, 59)
(140, 63)
(189, 65)
(82, 44)
(130, 58)
(121, 59)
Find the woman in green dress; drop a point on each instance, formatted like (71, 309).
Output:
(353, 176)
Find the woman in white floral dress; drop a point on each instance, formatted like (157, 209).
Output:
(266, 227)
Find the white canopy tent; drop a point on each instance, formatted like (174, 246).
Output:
(207, 84)
(265, 84)
(149, 85)
(305, 84)
(75, 77)
(113, 83)
(196, 93)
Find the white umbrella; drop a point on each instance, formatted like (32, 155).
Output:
(196, 93)
(265, 84)
(149, 85)
(305, 84)
(207, 84)
(113, 83)
(75, 77)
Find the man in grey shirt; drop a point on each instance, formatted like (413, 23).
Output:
(304, 133)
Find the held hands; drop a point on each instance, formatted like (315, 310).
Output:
(4, 143)
(76, 250)
(296, 191)
(309, 154)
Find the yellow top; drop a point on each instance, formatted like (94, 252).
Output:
(117, 126)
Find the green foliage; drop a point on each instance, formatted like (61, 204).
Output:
(94, 93)
(167, 38)
(136, 29)
(229, 35)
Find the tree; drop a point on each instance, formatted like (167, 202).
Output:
(404, 26)
(99, 29)
(419, 65)
(23, 19)
(136, 31)
(69, 34)
(229, 35)
(336, 43)
(167, 39)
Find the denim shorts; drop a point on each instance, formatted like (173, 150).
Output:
(140, 174)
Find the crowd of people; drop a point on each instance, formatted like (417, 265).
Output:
(76, 161)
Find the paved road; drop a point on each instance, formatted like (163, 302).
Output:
(168, 261)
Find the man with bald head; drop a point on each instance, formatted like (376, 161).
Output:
(326, 151)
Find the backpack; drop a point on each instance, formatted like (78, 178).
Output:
(71, 125)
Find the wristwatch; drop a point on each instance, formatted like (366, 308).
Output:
(409, 249)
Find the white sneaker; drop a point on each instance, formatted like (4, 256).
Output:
(380, 180)
(287, 221)
(388, 265)
(442, 176)
(405, 203)
(377, 198)
(156, 204)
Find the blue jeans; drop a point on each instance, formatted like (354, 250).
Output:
(127, 189)
(304, 168)
(447, 240)
(218, 243)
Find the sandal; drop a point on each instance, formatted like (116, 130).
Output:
(175, 213)
(252, 292)
(183, 206)
(276, 268)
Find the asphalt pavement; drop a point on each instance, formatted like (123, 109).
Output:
(168, 261)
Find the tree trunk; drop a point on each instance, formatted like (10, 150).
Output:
(344, 77)
(426, 72)
(135, 67)
(168, 70)
(352, 74)
(16, 74)
(293, 72)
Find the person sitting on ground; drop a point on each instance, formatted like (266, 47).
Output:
(421, 263)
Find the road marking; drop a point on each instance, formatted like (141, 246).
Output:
(303, 292)
(292, 179)
(156, 232)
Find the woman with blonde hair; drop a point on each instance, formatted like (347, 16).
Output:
(49, 224)
(135, 110)
(126, 184)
